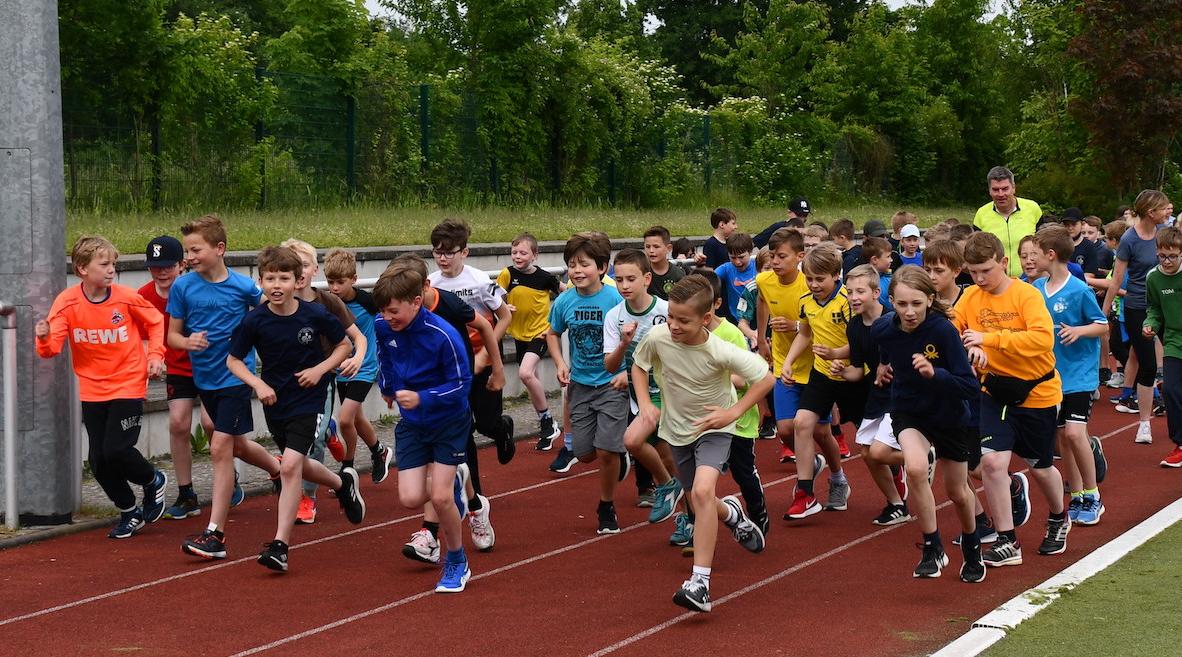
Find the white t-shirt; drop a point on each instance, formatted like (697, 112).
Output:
(693, 377)
(474, 287)
(657, 313)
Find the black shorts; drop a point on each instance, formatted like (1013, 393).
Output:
(355, 390)
(229, 408)
(1027, 432)
(954, 444)
(821, 393)
(535, 346)
(296, 433)
(1076, 407)
(179, 386)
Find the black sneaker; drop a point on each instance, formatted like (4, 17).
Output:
(625, 466)
(207, 545)
(154, 497)
(607, 520)
(349, 496)
(1003, 553)
(767, 429)
(129, 523)
(973, 568)
(548, 432)
(381, 464)
(506, 447)
(986, 533)
(564, 461)
(1099, 458)
(1020, 498)
(932, 563)
(892, 514)
(693, 595)
(1055, 541)
(274, 556)
(1159, 407)
(931, 465)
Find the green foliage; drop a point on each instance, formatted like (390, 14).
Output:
(199, 440)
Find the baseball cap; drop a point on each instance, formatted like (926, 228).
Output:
(1072, 214)
(874, 228)
(163, 251)
(800, 206)
(909, 230)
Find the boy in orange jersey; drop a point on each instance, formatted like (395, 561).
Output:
(106, 326)
(1008, 331)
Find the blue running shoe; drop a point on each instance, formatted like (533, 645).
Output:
(1020, 498)
(154, 497)
(239, 495)
(665, 499)
(1074, 507)
(1090, 510)
(458, 491)
(130, 522)
(455, 577)
(683, 531)
(185, 506)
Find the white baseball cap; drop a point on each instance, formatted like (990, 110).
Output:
(910, 230)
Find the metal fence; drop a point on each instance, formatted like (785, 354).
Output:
(300, 140)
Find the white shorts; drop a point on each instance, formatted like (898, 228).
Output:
(878, 429)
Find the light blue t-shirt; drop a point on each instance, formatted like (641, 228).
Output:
(364, 312)
(884, 293)
(1075, 305)
(581, 317)
(734, 282)
(916, 259)
(217, 309)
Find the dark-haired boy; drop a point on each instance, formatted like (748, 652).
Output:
(736, 274)
(657, 247)
(598, 405)
(1163, 316)
(725, 222)
(286, 332)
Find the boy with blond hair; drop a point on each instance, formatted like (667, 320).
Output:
(340, 271)
(106, 325)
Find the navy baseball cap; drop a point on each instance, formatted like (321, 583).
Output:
(164, 251)
(800, 206)
(1072, 214)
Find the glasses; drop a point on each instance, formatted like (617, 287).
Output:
(445, 255)
(1169, 258)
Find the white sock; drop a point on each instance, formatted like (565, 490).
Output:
(702, 573)
(732, 517)
(213, 527)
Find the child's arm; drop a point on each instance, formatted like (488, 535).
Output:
(761, 319)
(554, 345)
(350, 365)
(496, 379)
(503, 315)
(799, 344)
(646, 409)
(239, 369)
(51, 332)
(1118, 274)
(151, 323)
(176, 338)
(721, 417)
(447, 395)
(1038, 338)
(613, 359)
(1153, 310)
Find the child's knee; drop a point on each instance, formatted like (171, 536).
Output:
(223, 448)
(916, 471)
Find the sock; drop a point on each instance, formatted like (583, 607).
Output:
(838, 477)
(1077, 495)
(703, 574)
(212, 527)
(187, 490)
(432, 527)
(1094, 492)
(603, 506)
(932, 539)
(456, 556)
(1143, 425)
(731, 516)
(127, 512)
(567, 441)
(474, 503)
(1062, 515)
(969, 541)
(1126, 391)
(805, 485)
(375, 449)
(1010, 535)
(544, 415)
(836, 430)
(983, 519)
(347, 463)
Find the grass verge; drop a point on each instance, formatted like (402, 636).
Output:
(1126, 609)
(362, 226)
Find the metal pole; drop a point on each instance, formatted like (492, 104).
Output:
(11, 515)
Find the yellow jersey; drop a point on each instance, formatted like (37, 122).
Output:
(783, 300)
(828, 320)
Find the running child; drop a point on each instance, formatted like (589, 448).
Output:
(164, 256)
(725, 222)
(932, 384)
(425, 371)
(598, 406)
(206, 306)
(106, 325)
(287, 333)
(736, 274)
(876, 252)
(1009, 336)
(529, 290)
(700, 409)
(340, 271)
(1163, 290)
(658, 246)
(1079, 329)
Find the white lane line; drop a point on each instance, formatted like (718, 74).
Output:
(227, 564)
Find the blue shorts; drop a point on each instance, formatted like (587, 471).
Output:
(229, 408)
(787, 401)
(445, 443)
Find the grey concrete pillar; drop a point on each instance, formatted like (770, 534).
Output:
(32, 243)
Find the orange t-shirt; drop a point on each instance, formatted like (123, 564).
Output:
(106, 341)
(1019, 336)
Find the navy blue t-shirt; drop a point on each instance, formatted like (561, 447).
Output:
(287, 344)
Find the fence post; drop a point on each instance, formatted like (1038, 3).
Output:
(350, 148)
(157, 181)
(8, 359)
(706, 151)
(425, 125)
(258, 139)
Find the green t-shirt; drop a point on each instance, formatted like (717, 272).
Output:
(748, 424)
(1163, 296)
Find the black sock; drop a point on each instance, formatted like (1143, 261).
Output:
(1060, 516)
(932, 539)
(1010, 535)
(187, 490)
(545, 415)
(983, 520)
(375, 449)
(432, 527)
(805, 485)
(606, 505)
(836, 429)
(969, 541)
(474, 504)
(347, 463)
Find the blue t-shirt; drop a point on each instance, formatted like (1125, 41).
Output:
(288, 344)
(364, 312)
(581, 316)
(916, 259)
(884, 294)
(1141, 256)
(1075, 305)
(217, 309)
(733, 283)
(1075, 270)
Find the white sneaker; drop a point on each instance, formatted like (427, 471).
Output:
(1144, 434)
(483, 535)
(1116, 381)
(422, 546)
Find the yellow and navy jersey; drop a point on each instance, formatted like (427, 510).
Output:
(530, 294)
(828, 320)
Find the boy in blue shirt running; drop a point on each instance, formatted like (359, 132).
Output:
(736, 274)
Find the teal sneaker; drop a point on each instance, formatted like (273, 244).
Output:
(665, 499)
(185, 506)
(1090, 510)
(683, 531)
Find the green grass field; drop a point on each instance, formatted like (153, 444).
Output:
(1127, 609)
(361, 226)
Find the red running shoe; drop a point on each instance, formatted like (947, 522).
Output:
(842, 448)
(335, 445)
(786, 454)
(803, 506)
(900, 482)
(1173, 459)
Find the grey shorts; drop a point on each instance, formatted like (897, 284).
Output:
(598, 418)
(711, 449)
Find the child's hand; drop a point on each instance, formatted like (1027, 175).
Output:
(649, 414)
(265, 394)
(196, 341)
(511, 307)
(496, 380)
(972, 338)
(764, 349)
(1146, 330)
(352, 365)
(786, 374)
(480, 361)
(699, 258)
(407, 399)
(41, 329)
(718, 418)
(782, 324)
(923, 366)
(309, 377)
(155, 368)
(823, 351)
(977, 358)
(1069, 334)
(884, 375)
(620, 381)
(563, 376)
(836, 367)
(628, 331)
(389, 401)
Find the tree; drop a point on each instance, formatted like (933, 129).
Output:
(775, 54)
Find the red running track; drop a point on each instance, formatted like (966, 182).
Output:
(833, 582)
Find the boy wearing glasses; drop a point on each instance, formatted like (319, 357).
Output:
(1163, 316)
(449, 246)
